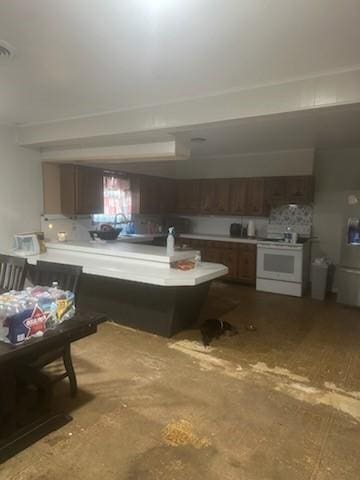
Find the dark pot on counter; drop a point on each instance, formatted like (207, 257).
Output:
(106, 232)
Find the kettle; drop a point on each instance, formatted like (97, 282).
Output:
(236, 230)
(251, 231)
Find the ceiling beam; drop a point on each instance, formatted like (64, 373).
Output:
(333, 89)
(172, 150)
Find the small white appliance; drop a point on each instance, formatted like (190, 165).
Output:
(251, 230)
(282, 267)
(27, 244)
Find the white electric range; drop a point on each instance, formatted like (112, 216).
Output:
(282, 267)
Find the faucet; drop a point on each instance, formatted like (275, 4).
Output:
(123, 219)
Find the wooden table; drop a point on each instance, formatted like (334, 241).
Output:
(15, 357)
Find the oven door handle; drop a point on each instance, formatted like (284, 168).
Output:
(350, 270)
(279, 247)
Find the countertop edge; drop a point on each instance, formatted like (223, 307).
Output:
(219, 238)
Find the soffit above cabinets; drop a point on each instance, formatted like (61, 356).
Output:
(159, 151)
(331, 127)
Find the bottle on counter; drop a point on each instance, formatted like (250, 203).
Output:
(170, 242)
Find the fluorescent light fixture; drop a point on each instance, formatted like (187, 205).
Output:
(293, 205)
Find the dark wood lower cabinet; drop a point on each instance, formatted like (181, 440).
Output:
(229, 258)
(240, 258)
(246, 264)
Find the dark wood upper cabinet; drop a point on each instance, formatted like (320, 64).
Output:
(81, 190)
(275, 190)
(284, 190)
(222, 196)
(214, 196)
(255, 197)
(152, 195)
(299, 189)
(237, 196)
(167, 187)
(181, 196)
(188, 196)
(241, 196)
(207, 196)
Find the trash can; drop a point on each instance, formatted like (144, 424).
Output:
(319, 280)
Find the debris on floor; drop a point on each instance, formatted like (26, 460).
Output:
(182, 433)
(251, 327)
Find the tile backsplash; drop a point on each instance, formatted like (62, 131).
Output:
(220, 225)
(299, 218)
(77, 228)
(292, 215)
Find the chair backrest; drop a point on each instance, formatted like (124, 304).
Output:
(12, 272)
(67, 276)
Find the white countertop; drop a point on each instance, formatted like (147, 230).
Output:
(124, 250)
(149, 272)
(220, 238)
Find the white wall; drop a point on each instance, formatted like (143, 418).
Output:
(296, 162)
(20, 188)
(286, 162)
(336, 171)
(220, 225)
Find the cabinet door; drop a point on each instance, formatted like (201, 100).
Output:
(255, 197)
(181, 200)
(222, 196)
(207, 196)
(229, 257)
(148, 193)
(212, 254)
(89, 190)
(188, 196)
(275, 190)
(67, 189)
(167, 195)
(299, 189)
(237, 196)
(247, 264)
(193, 194)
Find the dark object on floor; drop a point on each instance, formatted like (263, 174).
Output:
(214, 328)
(251, 327)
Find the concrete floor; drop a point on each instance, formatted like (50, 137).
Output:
(279, 403)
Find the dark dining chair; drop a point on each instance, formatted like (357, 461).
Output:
(67, 277)
(12, 272)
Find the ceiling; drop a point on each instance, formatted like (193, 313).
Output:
(319, 128)
(83, 57)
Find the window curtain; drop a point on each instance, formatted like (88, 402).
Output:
(117, 198)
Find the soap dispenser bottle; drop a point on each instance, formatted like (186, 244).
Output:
(170, 242)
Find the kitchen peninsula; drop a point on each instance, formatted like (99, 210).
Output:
(135, 284)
